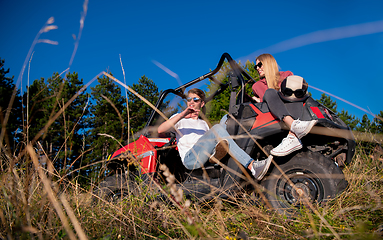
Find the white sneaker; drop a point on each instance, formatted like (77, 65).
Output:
(288, 145)
(301, 128)
(259, 168)
(220, 151)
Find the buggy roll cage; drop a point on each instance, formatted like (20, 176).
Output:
(236, 79)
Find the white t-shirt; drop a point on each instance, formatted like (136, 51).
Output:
(191, 130)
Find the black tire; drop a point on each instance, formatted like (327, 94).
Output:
(313, 175)
(116, 187)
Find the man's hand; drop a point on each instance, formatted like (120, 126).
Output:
(190, 112)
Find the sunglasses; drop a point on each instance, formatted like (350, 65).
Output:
(298, 93)
(195, 99)
(259, 65)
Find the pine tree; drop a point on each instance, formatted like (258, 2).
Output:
(328, 102)
(105, 126)
(62, 139)
(35, 102)
(379, 123)
(65, 131)
(139, 111)
(349, 119)
(7, 88)
(366, 125)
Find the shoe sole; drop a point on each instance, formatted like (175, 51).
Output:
(220, 152)
(282, 154)
(308, 129)
(266, 168)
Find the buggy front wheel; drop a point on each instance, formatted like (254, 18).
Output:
(311, 178)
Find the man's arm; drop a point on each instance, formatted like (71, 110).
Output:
(187, 113)
(165, 126)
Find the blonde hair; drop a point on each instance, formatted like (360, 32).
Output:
(271, 70)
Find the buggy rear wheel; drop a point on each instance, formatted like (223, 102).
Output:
(312, 178)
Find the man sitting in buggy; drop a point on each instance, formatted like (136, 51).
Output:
(197, 143)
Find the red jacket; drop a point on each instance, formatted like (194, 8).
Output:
(260, 87)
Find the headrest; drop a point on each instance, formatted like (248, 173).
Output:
(293, 88)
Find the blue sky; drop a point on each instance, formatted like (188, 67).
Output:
(336, 45)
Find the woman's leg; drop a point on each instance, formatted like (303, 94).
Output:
(276, 105)
(298, 129)
(278, 109)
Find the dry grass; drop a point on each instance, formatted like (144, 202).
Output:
(34, 206)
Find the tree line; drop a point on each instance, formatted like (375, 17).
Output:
(96, 122)
(85, 132)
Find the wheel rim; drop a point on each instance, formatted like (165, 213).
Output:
(308, 187)
(118, 196)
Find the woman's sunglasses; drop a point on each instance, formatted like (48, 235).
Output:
(195, 99)
(259, 65)
(298, 93)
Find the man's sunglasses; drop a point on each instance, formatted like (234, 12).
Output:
(259, 65)
(195, 99)
(299, 93)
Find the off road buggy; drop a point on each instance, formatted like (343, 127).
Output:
(312, 174)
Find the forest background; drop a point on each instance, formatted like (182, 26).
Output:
(85, 128)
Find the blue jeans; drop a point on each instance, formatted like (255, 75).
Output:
(200, 153)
